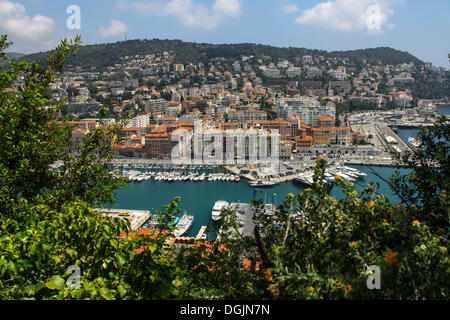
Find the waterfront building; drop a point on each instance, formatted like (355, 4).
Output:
(303, 142)
(321, 136)
(285, 150)
(283, 127)
(341, 136)
(158, 145)
(133, 150)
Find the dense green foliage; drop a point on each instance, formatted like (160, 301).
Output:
(385, 55)
(313, 246)
(103, 55)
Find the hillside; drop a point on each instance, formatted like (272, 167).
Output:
(15, 55)
(103, 55)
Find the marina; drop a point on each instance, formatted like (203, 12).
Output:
(199, 198)
(345, 172)
(172, 173)
(153, 185)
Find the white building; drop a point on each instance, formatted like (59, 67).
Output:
(294, 72)
(139, 121)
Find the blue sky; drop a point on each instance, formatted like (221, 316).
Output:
(419, 27)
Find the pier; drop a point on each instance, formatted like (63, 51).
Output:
(136, 217)
(386, 132)
(200, 233)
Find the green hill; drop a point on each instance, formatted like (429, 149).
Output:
(103, 55)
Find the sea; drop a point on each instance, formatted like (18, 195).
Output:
(198, 198)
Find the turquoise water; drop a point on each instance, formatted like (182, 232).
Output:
(198, 198)
(406, 133)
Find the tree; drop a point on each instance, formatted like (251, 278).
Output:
(47, 222)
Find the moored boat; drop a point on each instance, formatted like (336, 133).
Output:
(183, 225)
(218, 206)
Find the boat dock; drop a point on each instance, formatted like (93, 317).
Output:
(200, 233)
(136, 217)
(392, 139)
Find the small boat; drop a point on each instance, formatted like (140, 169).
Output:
(183, 225)
(300, 179)
(218, 206)
(262, 184)
(414, 143)
(237, 179)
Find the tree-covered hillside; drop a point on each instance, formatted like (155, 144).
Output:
(384, 54)
(103, 55)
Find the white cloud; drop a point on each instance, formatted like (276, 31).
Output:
(350, 15)
(228, 8)
(27, 33)
(188, 12)
(115, 29)
(289, 8)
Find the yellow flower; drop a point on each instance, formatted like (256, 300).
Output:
(268, 274)
(290, 195)
(308, 190)
(391, 258)
(274, 290)
(177, 283)
(371, 204)
(415, 223)
(319, 159)
(354, 243)
(338, 283)
(349, 287)
(337, 177)
(310, 288)
(442, 194)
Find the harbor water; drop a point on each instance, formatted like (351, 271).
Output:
(198, 198)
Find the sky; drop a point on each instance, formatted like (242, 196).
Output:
(417, 26)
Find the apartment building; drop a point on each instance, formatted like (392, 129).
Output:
(321, 136)
(243, 116)
(158, 145)
(284, 127)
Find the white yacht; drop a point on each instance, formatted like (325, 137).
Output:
(183, 225)
(218, 206)
(414, 143)
(262, 184)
